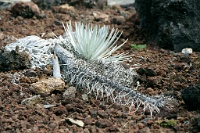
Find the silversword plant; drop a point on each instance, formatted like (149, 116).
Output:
(88, 61)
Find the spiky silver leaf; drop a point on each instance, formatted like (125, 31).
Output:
(95, 43)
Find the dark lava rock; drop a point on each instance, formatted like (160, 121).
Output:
(25, 9)
(102, 114)
(191, 97)
(7, 4)
(87, 3)
(174, 23)
(104, 123)
(113, 129)
(88, 121)
(46, 4)
(59, 110)
(146, 71)
(13, 60)
(196, 124)
(118, 20)
(93, 113)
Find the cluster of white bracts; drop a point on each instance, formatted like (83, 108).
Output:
(100, 76)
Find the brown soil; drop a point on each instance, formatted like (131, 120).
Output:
(173, 72)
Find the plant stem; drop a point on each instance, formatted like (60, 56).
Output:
(78, 72)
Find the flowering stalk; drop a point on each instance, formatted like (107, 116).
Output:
(80, 73)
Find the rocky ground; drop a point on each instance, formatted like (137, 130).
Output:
(161, 72)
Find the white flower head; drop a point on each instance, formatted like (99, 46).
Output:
(95, 43)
